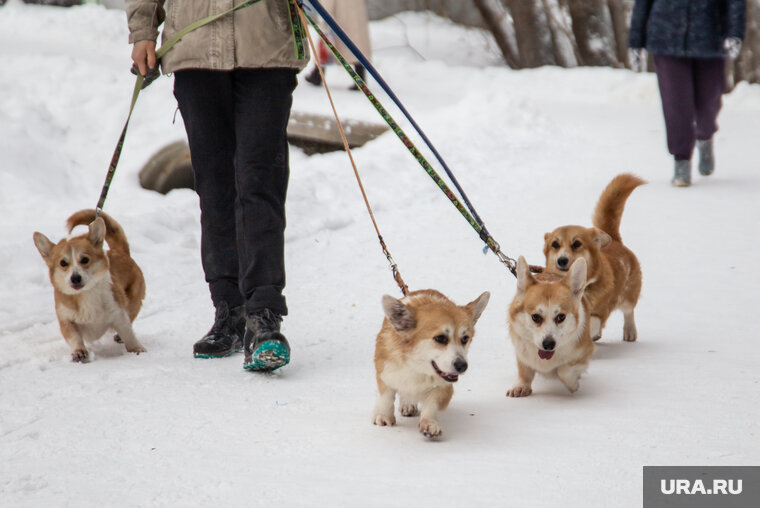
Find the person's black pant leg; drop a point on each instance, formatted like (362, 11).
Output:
(205, 100)
(263, 98)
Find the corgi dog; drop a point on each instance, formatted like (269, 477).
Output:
(420, 353)
(548, 325)
(613, 272)
(94, 290)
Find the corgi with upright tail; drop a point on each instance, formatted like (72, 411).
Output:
(613, 271)
(95, 290)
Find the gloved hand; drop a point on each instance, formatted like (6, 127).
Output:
(638, 59)
(732, 46)
(150, 75)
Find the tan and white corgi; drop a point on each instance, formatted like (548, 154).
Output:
(614, 274)
(421, 351)
(548, 325)
(94, 290)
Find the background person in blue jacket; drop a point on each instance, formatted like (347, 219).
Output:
(689, 41)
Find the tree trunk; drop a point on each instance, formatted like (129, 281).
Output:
(565, 50)
(495, 21)
(620, 13)
(592, 27)
(747, 66)
(534, 38)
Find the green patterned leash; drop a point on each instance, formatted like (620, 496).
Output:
(140, 83)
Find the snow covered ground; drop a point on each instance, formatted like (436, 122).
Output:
(533, 149)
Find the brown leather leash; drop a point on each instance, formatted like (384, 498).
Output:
(394, 267)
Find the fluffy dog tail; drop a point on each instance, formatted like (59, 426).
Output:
(115, 236)
(609, 208)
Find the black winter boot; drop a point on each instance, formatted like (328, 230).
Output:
(265, 348)
(226, 336)
(314, 77)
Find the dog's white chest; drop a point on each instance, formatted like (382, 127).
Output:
(408, 382)
(96, 311)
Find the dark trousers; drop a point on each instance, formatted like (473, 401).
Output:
(236, 125)
(691, 90)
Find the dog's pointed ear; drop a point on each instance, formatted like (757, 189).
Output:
(601, 239)
(478, 305)
(524, 278)
(97, 232)
(576, 277)
(43, 244)
(399, 315)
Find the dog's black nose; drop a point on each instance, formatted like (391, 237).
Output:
(76, 278)
(549, 343)
(460, 365)
(562, 262)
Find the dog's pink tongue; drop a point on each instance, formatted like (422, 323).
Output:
(545, 355)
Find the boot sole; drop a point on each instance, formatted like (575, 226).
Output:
(269, 356)
(220, 355)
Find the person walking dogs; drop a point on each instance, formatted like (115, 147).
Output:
(689, 41)
(233, 81)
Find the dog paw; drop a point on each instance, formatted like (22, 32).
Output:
(80, 356)
(572, 387)
(519, 391)
(384, 420)
(595, 328)
(430, 428)
(137, 349)
(408, 410)
(630, 335)
(118, 339)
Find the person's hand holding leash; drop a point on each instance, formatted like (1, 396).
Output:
(145, 64)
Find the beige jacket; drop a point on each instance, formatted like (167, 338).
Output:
(257, 36)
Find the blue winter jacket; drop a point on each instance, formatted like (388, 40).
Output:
(686, 28)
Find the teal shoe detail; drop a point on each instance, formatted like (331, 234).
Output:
(220, 355)
(269, 356)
